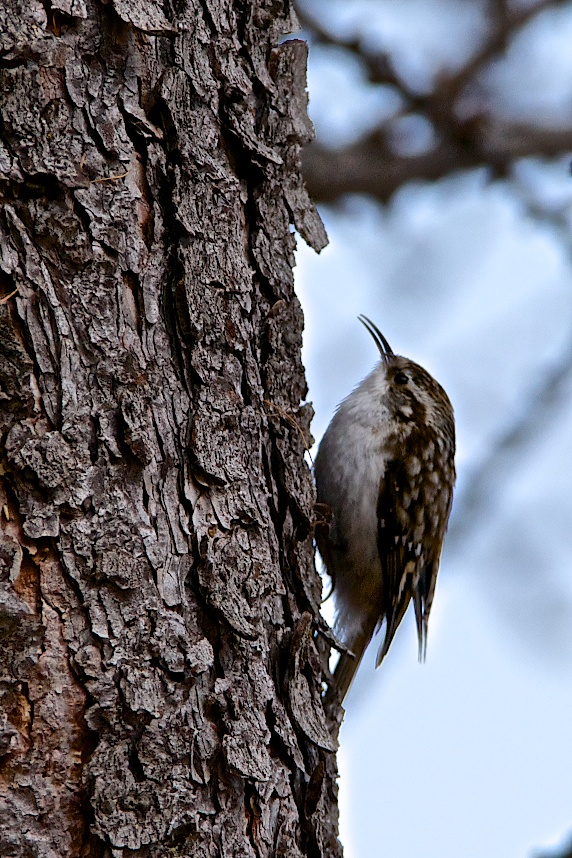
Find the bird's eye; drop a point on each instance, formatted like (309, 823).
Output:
(400, 378)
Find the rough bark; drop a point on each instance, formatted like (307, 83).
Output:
(160, 684)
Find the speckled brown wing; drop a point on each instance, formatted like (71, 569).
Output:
(396, 550)
(435, 528)
(415, 498)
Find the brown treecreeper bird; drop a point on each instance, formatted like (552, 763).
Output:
(385, 472)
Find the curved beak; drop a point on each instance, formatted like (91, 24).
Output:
(380, 341)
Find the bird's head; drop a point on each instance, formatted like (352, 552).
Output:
(412, 394)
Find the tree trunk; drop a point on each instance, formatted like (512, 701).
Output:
(160, 684)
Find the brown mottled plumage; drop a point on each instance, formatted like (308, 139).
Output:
(385, 468)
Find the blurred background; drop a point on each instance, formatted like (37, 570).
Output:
(442, 171)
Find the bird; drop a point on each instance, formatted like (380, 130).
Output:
(384, 475)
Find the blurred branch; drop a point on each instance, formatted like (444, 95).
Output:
(475, 502)
(505, 24)
(566, 854)
(373, 166)
(377, 64)
(370, 167)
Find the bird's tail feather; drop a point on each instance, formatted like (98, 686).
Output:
(348, 664)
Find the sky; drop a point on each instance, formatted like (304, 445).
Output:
(469, 754)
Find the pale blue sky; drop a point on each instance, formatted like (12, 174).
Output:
(471, 753)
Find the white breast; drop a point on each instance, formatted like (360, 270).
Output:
(349, 467)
